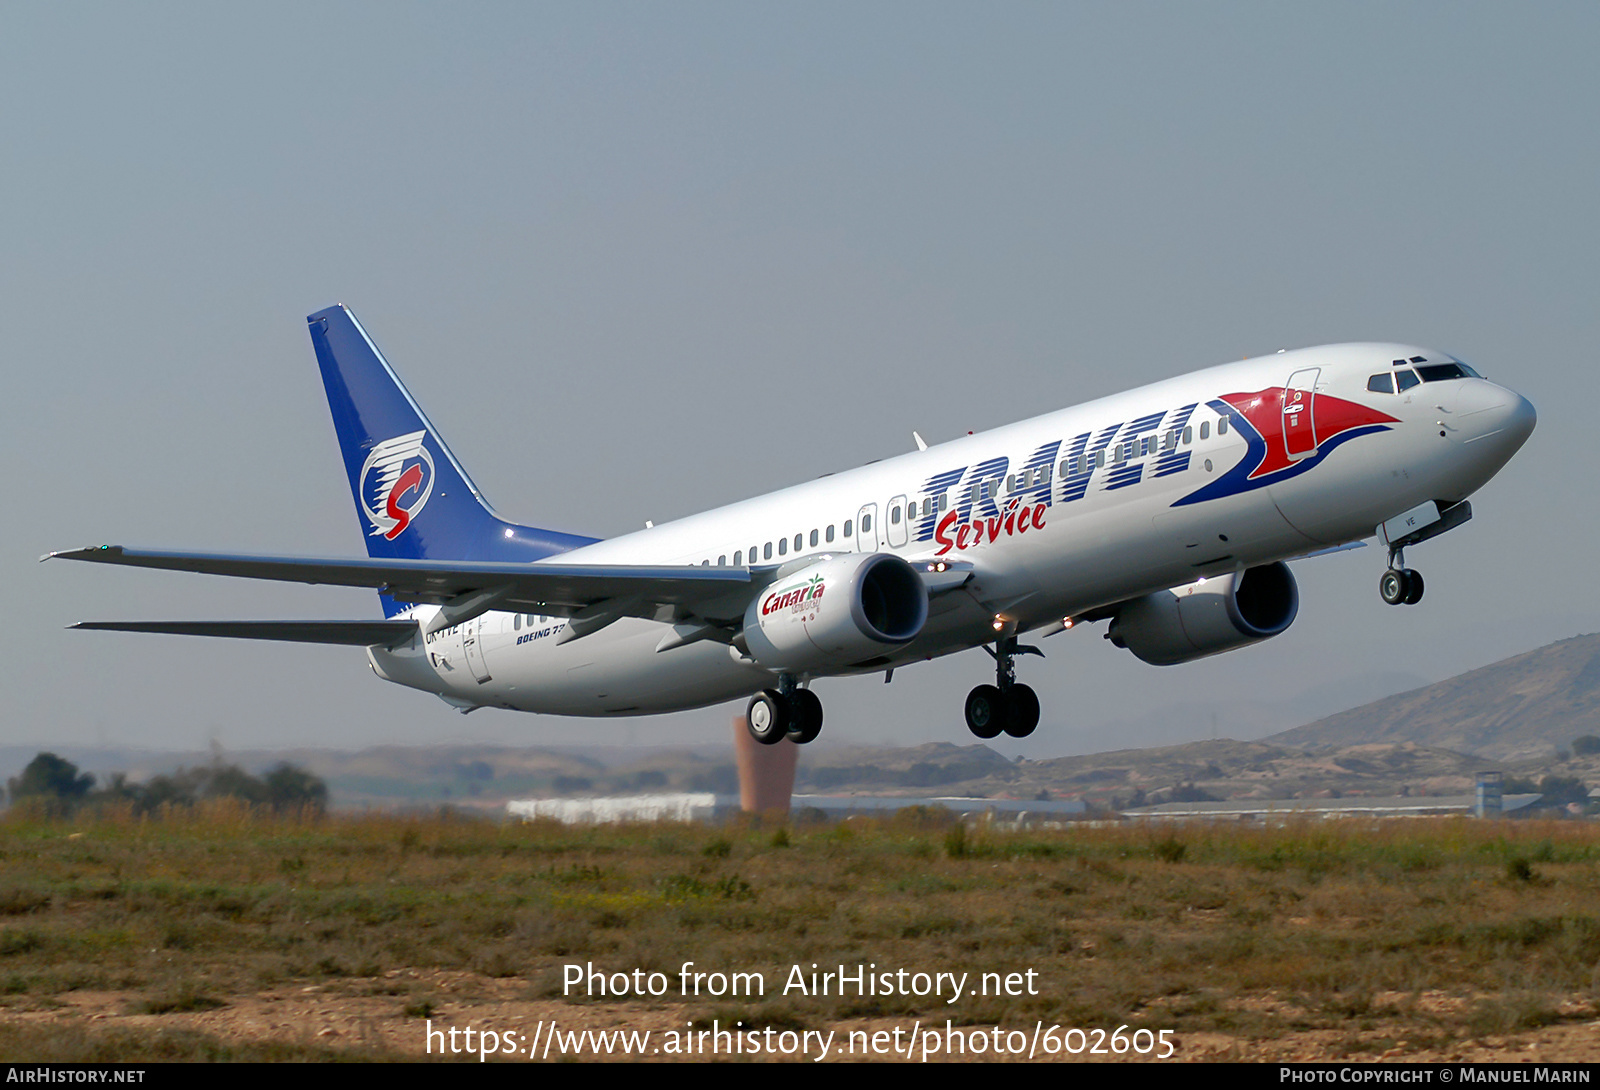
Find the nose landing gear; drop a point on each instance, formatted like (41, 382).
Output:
(1006, 706)
(1400, 585)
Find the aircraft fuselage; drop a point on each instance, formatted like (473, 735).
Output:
(1062, 515)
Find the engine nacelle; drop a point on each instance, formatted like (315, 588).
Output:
(1208, 616)
(837, 611)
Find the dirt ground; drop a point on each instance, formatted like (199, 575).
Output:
(372, 1016)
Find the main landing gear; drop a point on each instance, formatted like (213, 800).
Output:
(1006, 706)
(785, 712)
(1400, 585)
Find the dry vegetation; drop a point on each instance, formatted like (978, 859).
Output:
(222, 933)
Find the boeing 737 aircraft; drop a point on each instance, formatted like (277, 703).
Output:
(1168, 511)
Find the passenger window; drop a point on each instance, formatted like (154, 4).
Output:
(798, 538)
(1205, 430)
(766, 551)
(737, 554)
(813, 539)
(516, 623)
(894, 515)
(848, 523)
(1406, 379)
(722, 561)
(866, 523)
(829, 535)
(706, 563)
(1188, 435)
(1100, 458)
(783, 546)
(1381, 384)
(1222, 426)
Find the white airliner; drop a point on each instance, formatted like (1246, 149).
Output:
(1168, 510)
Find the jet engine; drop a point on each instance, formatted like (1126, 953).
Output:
(1207, 616)
(836, 611)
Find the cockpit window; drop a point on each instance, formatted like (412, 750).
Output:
(1406, 379)
(1381, 384)
(1438, 372)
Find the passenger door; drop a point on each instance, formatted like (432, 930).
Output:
(1299, 414)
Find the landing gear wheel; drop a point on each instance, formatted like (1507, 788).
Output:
(767, 717)
(986, 712)
(1022, 711)
(1414, 590)
(1392, 586)
(805, 721)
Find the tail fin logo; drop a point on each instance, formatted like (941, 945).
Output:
(396, 469)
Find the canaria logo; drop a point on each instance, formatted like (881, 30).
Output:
(797, 599)
(395, 469)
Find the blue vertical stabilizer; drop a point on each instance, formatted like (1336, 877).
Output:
(413, 499)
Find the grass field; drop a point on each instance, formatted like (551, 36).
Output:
(221, 933)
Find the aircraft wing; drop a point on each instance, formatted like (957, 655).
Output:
(556, 589)
(592, 595)
(350, 633)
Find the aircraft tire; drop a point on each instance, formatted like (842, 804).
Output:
(1392, 587)
(767, 717)
(986, 712)
(806, 721)
(1022, 711)
(1413, 587)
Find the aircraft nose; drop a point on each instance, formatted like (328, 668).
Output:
(1496, 416)
(1521, 418)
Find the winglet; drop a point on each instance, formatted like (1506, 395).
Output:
(88, 552)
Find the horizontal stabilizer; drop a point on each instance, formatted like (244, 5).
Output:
(351, 633)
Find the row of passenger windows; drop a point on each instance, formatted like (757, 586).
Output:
(983, 490)
(816, 538)
(1133, 448)
(1403, 377)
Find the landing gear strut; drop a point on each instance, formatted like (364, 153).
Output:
(785, 712)
(1400, 585)
(1006, 706)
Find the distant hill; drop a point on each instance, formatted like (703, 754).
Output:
(1514, 715)
(1519, 709)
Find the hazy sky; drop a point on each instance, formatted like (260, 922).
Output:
(609, 245)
